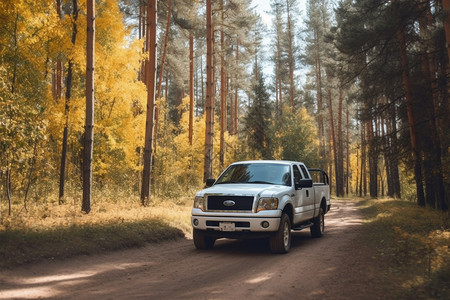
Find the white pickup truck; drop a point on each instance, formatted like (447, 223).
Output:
(261, 199)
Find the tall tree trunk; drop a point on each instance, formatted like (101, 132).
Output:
(319, 102)
(347, 171)
(435, 191)
(333, 139)
(89, 125)
(58, 72)
(358, 155)
(340, 148)
(151, 86)
(394, 156)
(291, 55)
(236, 98)
(142, 34)
(62, 173)
(163, 58)
(32, 162)
(8, 188)
(412, 122)
(385, 140)
(161, 73)
(278, 61)
(446, 8)
(209, 130)
(363, 182)
(223, 95)
(191, 87)
(373, 159)
(232, 85)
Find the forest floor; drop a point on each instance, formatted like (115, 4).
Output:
(368, 252)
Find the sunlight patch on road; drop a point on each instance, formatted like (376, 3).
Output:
(28, 293)
(57, 277)
(261, 278)
(45, 286)
(31, 291)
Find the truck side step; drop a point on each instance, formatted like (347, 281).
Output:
(303, 226)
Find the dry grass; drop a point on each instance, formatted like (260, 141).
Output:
(415, 242)
(49, 230)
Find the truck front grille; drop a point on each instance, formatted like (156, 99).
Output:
(221, 203)
(237, 224)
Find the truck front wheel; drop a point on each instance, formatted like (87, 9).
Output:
(201, 241)
(281, 241)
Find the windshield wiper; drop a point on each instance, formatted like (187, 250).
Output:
(228, 181)
(260, 181)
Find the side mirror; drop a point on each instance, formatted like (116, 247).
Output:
(304, 183)
(210, 182)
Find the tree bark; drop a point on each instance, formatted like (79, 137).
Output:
(347, 171)
(151, 86)
(400, 35)
(446, 8)
(207, 168)
(319, 102)
(435, 191)
(291, 55)
(236, 98)
(57, 84)
(89, 125)
(142, 34)
(363, 182)
(62, 173)
(223, 95)
(191, 87)
(333, 141)
(163, 58)
(373, 159)
(8, 189)
(340, 149)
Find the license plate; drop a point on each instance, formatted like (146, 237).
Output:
(227, 226)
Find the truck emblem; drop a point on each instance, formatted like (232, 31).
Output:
(229, 203)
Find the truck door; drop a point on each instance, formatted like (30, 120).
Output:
(310, 193)
(304, 197)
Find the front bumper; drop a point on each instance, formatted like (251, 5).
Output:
(238, 224)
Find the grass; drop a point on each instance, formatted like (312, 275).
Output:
(414, 244)
(52, 231)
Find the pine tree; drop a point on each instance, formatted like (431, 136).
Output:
(258, 119)
(150, 117)
(89, 122)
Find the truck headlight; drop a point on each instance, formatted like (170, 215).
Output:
(267, 204)
(199, 202)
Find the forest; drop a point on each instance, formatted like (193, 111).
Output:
(181, 88)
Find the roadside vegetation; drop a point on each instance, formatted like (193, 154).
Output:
(52, 231)
(411, 244)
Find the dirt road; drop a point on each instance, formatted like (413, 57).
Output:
(331, 267)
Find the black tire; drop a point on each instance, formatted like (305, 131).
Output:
(281, 241)
(319, 224)
(201, 241)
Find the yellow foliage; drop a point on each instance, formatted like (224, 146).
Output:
(178, 164)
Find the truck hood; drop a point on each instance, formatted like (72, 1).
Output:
(246, 189)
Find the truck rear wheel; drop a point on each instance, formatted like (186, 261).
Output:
(281, 241)
(319, 224)
(201, 241)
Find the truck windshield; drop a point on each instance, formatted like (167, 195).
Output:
(257, 173)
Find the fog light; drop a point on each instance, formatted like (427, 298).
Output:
(195, 222)
(265, 224)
